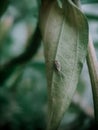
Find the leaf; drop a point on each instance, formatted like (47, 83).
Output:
(89, 1)
(65, 37)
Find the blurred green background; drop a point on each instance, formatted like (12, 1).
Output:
(23, 87)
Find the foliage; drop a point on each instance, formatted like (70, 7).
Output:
(23, 87)
(64, 55)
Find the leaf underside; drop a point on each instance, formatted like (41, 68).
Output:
(65, 37)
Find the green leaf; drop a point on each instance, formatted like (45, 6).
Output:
(65, 37)
(89, 1)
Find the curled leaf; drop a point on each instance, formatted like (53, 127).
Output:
(65, 37)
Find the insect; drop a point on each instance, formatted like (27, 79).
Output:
(57, 65)
(58, 68)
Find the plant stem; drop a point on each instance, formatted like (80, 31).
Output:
(30, 51)
(93, 71)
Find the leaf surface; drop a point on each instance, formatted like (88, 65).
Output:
(65, 37)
